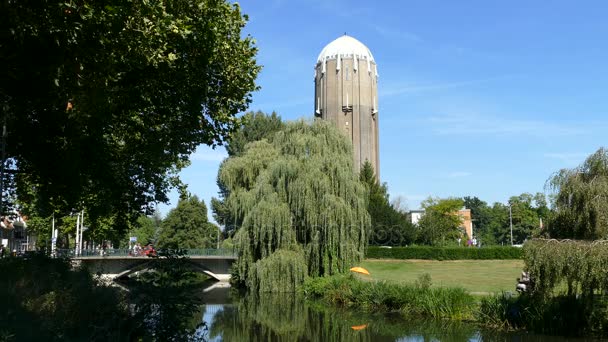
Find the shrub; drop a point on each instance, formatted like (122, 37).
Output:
(409, 300)
(444, 253)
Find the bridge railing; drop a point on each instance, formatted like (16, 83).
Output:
(70, 253)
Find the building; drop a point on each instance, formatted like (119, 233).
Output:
(467, 222)
(346, 94)
(415, 216)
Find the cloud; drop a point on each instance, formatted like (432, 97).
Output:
(414, 88)
(209, 155)
(468, 124)
(391, 33)
(568, 158)
(458, 174)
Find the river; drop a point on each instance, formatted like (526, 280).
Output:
(227, 316)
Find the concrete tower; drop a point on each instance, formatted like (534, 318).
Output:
(346, 93)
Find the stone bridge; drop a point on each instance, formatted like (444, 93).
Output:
(215, 264)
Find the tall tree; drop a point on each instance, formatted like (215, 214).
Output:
(389, 226)
(440, 222)
(302, 208)
(255, 126)
(146, 228)
(124, 93)
(580, 199)
(187, 226)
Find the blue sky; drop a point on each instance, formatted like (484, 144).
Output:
(480, 98)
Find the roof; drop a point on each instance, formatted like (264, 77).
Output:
(345, 46)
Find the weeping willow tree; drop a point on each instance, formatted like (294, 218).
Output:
(301, 205)
(580, 198)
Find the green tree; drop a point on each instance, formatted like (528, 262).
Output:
(296, 192)
(146, 228)
(481, 214)
(255, 126)
(526, 212)
(389, 226)
(186, 226)
(580, 199)
(440, 222)
(124, 93)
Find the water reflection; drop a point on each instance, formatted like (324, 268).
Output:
(289, 318)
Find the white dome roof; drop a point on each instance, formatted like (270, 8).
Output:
(345, 46)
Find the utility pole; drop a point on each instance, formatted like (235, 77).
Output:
(77, 234)
(511, 223)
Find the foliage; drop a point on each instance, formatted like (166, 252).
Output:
(580, 265)
(411, 301)
(526, 211)
(389, 225)
(146, 228)
(255, 126)
(186, 226)
(282, 271)
(440, 222)
(561, 315)
(44, 299)
(297, 188)
(580, 199)
(124, 93)
(491, 224)
(444, 253)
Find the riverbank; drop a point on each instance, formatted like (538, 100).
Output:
(475, 276)
(557, 315)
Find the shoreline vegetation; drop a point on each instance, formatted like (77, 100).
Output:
(560, 315)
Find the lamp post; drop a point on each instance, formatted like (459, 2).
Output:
(511, 223)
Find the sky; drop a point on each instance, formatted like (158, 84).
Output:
(476, 98)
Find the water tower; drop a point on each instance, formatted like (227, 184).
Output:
(346, 94)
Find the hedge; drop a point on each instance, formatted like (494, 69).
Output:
(444, 253)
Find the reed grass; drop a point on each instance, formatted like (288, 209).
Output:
(410, 300)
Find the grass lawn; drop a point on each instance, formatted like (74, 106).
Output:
(476, 276)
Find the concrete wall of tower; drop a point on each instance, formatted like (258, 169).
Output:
(347, 96)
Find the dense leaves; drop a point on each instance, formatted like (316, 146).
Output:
(390, 226)
(255, 126)
(580, 197)
(186, 226)
(104, 101)
(444, 253)
(297, 190)
(440, 222)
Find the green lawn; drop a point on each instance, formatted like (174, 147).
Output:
(476, 276)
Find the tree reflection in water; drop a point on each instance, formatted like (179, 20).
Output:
(285, 317)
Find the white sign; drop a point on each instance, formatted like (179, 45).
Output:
(133, 239)
(4, 242)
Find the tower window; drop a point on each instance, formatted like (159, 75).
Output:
(347, 74)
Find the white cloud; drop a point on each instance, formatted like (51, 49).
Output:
(465, 124)
(414, 88)
(389, 32)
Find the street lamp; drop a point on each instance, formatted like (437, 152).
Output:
(511, 223)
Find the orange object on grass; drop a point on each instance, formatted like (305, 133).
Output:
(359, 327)
(360, 270)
